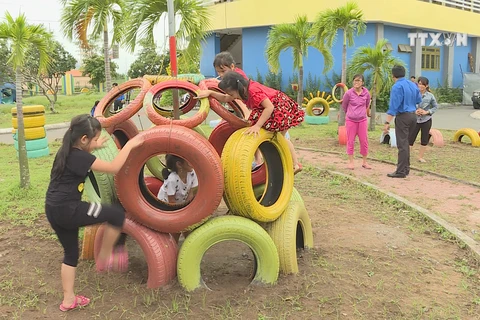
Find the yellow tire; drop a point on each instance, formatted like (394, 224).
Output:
(85, 90)
(30, 122)
(33, 133)
(314, 102)
(292, 230)
(29, 110)
(341, 85)
(472, 134)
(237, 157)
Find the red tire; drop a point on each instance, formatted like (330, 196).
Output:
(159, 119)
(153, 184)
(219, 137)
(236, 119)
(160, 250)
(123, 132)
(437, 138)
(127, 112)
(342, 135)
(148, 210)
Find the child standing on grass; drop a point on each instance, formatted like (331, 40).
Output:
(63, 206)
(270, 108)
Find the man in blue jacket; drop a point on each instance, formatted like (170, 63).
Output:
(119, 101)
(404, 98)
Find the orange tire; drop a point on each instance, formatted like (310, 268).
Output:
(159, 119)
(127, 112)
(342, 135)
(88, 243)
(160, 250)
(236, 119)
(153, 213)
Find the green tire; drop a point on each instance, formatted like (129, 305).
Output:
(227, 228)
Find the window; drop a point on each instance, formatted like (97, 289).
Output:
(431, 58)
(404, 48)
(388, 47)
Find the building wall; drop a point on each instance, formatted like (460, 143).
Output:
(254, 60)
(209, 49)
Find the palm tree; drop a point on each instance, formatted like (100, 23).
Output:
(23, 37)
(379, 61)
(348, 18)
(146, 14)
(298, 37)
(79, 15)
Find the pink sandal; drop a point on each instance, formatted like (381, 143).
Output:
(84, 301)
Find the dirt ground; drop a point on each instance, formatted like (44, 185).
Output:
(372, 259)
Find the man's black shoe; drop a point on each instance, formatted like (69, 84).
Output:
(396, 175)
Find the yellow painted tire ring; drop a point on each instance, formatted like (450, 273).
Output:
(315, 101)
(237, 158)
(29, 109)
(30, 122)
(472, 134)
(288, 237)
(341, 85)
(33, 133)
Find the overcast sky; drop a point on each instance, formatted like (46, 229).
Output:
(48, 12)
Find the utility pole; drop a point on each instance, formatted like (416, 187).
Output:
(173, 54)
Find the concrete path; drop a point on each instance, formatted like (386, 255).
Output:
(448, 117)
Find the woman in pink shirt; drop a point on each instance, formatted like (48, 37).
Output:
(355, 104)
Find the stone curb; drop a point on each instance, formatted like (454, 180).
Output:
(47, 127)
(469, 242)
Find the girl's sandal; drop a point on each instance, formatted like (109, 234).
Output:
(298, 168)
(80, 301)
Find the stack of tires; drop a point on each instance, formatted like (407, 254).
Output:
(267, 211)
(35, 133)
(317, 108)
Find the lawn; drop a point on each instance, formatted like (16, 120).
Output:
(372, 258)
(67, 107)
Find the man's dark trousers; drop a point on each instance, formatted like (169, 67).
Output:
(404, 123)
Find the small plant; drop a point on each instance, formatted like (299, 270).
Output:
(259, 77)
(446, 94)
(313, 85)
(289, 90)
(273, 80)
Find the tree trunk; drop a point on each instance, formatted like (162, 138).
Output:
(108, 76)
(22, 148)
(300, 84)
(341, 113)
(53, 101)
(373, 108)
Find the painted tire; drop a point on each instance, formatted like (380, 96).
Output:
(316, 101)
(32, 133)
(341, 85)
(342, 135)
(472, 134)
(33, 145)
(150, 211)
(236, 159)
(436, 138)
(160, 250)
(219, 137)
(191, 77)
(30, 122)
(128, 111)
(287, 235)
(37, 153)
(227, 228)
(153, 184)
(236, 119)
(122, 132)
(317, 119)
(29, 111)
(158, 119)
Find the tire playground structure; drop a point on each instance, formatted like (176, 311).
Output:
(265, 211)
(470, 133)
(317, 108)
(36, 141)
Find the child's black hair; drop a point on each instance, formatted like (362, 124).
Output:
(223, 59)
(425, 82)
(235, 81)
(171, 165)
(81, 125)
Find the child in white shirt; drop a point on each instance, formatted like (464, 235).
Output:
(180, 181)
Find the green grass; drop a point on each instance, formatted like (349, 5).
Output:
(66, 106)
